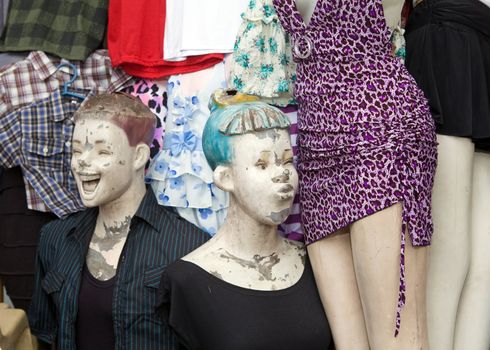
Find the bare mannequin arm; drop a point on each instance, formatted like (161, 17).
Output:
(393, 10)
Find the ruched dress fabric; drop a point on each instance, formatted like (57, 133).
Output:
(262, 62)
(448, 53)
(366, 137)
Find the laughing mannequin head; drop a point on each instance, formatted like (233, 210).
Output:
(110, 147)
(249, 148)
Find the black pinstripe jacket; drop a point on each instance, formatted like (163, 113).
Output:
(157, 237)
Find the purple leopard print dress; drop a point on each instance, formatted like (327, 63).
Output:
(366, 137)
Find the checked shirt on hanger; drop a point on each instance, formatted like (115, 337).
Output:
(36, 78)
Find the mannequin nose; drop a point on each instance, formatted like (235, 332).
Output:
(284, 177)
(82, 161)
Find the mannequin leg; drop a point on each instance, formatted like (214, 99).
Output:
(331, 260)
(473, 320)
(376, 252)
(449, 251)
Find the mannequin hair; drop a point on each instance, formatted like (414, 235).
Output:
(123, 110)
(233, 120)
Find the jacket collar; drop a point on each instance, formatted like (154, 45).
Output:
(83, 224)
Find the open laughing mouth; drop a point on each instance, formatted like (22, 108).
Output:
(89, 182)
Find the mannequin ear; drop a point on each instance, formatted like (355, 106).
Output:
(141, 155)
(223, 179)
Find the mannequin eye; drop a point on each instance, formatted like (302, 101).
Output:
(288, 161)
(261, 163)
(105, 153)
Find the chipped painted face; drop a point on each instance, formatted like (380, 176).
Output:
(102, 161)
(264, 178)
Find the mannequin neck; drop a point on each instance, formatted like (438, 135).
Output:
(122, 209)
(306, 9)
(244, 236)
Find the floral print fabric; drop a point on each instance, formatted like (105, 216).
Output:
(262, 63)
(180, 175)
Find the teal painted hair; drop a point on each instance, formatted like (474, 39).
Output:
(237, 119)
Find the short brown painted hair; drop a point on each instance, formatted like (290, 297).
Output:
(125, 111)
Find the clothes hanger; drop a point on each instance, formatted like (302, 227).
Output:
(65, 91)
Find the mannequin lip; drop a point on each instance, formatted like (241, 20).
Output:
(88, 176)
(285, 192)
(89, 184)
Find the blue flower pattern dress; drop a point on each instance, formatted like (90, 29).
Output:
(180, 175)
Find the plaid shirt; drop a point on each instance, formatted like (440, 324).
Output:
(71, 29)
(38, 139)
(156, 238)
(36, 77)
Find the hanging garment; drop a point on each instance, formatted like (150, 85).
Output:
(366, 137)
(18, 239)
(70, 29)
(37, 76)
(291, 227)
(262, 64)
(4, 6)
(196, 28)
(180, 175)
(448, 53)
(135, 37)
(154, 95)
(37, 138)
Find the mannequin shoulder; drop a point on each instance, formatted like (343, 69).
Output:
(205, 254)
(54, 232)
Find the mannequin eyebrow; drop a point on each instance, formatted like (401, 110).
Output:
(264, 154)
(98, 142)
(288, 153)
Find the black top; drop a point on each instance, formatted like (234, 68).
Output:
(448, 54)
(208, 313)
(94, 327)
(156, 238)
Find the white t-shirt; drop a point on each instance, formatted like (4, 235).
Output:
(198, 27)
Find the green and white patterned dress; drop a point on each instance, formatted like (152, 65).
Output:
(262, 63)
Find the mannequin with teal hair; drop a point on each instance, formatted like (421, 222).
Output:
(249, 149)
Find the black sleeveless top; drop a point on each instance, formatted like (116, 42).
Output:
(94, 326)
(208, 313)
